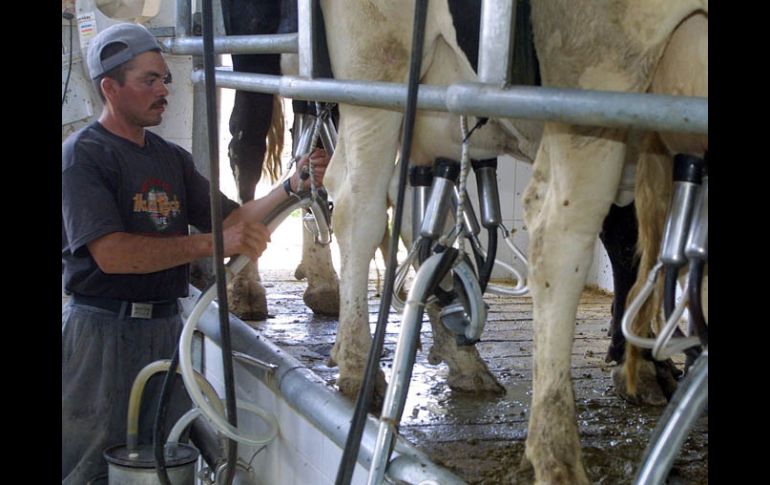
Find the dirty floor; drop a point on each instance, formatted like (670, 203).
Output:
(481, 439)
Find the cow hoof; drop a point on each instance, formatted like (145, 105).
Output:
(481, 381)
(615, 353)
(525, 465)
(323, 301)
(299, 273)
(247, 299)
(648, 390)
(351, 386)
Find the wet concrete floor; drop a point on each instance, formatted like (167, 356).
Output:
(481, 439)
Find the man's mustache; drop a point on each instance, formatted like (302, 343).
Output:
(159, 103)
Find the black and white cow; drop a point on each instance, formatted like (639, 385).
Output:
(623, 45)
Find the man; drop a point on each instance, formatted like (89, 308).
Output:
(128, 197)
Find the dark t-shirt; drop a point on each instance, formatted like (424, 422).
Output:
(110, 184)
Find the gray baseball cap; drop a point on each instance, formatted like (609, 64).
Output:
(136, 39)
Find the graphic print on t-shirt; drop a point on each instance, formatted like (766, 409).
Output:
(158, 202)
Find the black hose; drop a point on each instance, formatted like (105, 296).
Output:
(207, 441)
(485, 271)
(159, 429)
(423, 250)
(353, 442)
(216, 230)
(695, 280)
(477, 257)
(69, 18)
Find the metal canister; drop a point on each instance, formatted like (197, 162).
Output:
(688, 172)
(420, 178)
(489, 197)
(138, 466)
(445, 175)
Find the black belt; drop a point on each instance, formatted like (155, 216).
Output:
(124, 308)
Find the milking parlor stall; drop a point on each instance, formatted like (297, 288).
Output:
(452, 382)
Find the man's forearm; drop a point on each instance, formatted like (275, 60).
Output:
(257, 210)
(125, 253)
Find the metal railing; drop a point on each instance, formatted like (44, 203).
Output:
(686, 114)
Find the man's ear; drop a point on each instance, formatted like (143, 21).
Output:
(109, 86)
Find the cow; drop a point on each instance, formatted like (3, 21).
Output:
(256, 116)
(256, 126)
(621, 45)
(633, 46)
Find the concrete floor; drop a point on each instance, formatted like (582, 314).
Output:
(482, 439)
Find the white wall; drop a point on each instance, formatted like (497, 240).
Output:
(512, 179)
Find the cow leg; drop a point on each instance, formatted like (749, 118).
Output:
(357, 178)
(322, 294)
(249, 124)
(619, 235)
(655, 379)
(585, 168)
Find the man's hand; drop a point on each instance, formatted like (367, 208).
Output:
(320, 161)
(247, 238)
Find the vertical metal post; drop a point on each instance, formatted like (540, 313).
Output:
(306, 13)
(183, 18)
(496, 41)
(200, 151)
(200, 142)
(219, 25)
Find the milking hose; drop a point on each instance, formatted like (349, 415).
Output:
(135, 398)
(234, 266)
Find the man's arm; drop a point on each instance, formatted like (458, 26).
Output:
(122, 252)
(257, 210)
(243, 233)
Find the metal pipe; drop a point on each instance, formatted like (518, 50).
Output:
(685, 114)
(403, 362)
(234, 44)
(304, 125)
(307, 393)
(686, 406)
(469, 214)
(498, 18)
(582, 107)
(444, 177)
(489, 197)
(698, 237)
(306, 37)
(687, 182)
(420, 179)
(183, 18)
(329, 135)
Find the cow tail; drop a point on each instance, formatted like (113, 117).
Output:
(272, 166)
(652, 195)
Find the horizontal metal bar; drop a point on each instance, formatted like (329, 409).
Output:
(234, 44)
(574, 106)
(307, 393)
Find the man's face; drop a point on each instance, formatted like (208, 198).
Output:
(142, 98)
